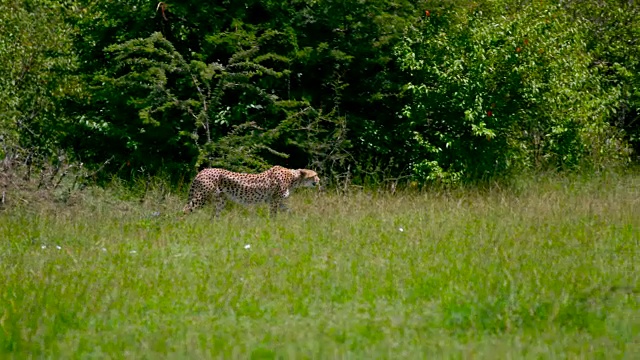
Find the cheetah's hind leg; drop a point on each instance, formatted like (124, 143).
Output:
(197, 194)
(190, 205)
(187, 209)
(219, 201)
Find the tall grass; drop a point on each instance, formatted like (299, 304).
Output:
(542, 268)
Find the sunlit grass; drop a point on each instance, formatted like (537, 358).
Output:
(542, 268)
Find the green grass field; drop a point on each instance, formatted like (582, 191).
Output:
(541, 269)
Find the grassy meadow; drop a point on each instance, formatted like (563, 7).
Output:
(543, 268)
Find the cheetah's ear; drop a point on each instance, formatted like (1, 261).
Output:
(305, 174)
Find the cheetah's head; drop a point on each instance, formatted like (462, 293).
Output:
(308, 178)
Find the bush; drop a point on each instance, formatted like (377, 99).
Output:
(496, 94)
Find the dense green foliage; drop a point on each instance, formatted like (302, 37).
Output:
(515, 92)
(36, 56)
(545, 269)
(439, 90)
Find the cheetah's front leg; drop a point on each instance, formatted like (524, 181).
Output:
(278, 205)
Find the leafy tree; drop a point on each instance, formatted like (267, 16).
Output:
(496, 94)
(613, 33)
(345, 62)
(253, 71)
(35, 56)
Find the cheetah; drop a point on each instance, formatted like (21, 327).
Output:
(272, 186)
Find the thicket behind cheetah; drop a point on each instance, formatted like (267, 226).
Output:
(272, 186)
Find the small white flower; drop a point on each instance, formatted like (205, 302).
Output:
(104, 249)
(133, 252)
(43, 247)
(58, 247)
(247, 246)
(401, 229)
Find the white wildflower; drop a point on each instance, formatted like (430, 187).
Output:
(247, 246)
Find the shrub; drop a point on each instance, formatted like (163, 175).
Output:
(496, 94)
